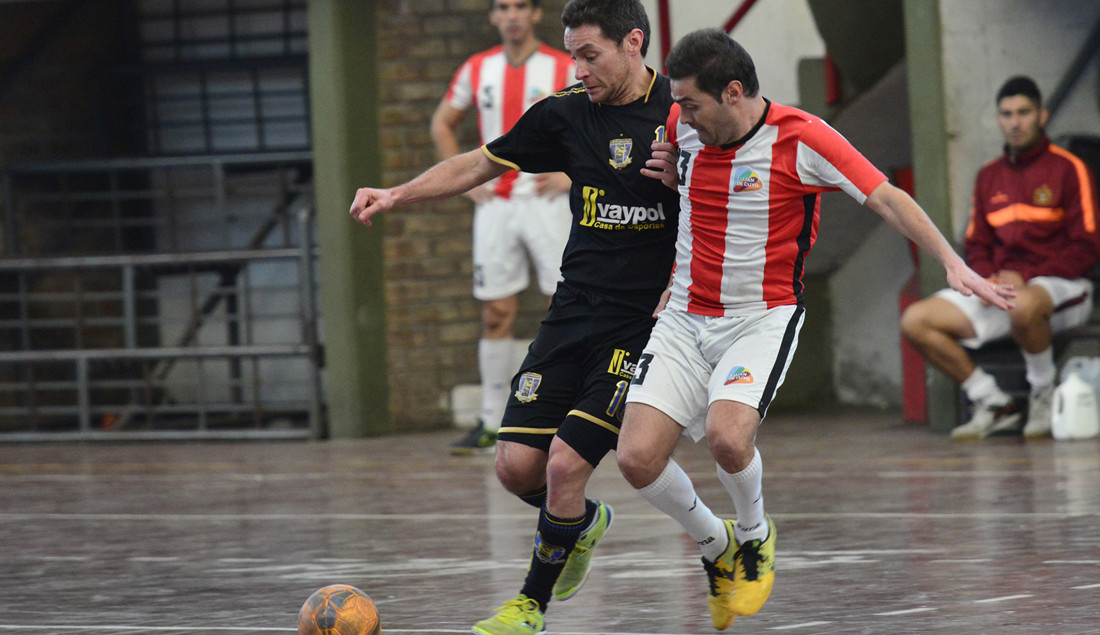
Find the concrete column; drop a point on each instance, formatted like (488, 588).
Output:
(344, 116)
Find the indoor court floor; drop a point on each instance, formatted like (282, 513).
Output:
(882, 528)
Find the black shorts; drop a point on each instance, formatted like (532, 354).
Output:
(573, 382)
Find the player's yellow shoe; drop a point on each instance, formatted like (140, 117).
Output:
(520, 616)
(720, 579)
(754, 573)
(579, 564)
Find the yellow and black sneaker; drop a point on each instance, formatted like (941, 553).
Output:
(720, 578)
(477, 441)
(520, 616)
(579, 564)
(754, 572)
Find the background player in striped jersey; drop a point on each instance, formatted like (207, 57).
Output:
(515, 214)
(750, 173)
(1033, 227)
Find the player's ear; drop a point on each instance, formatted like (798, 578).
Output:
(733, 92)
(536, 15)
(633, 41)
(1044, 116)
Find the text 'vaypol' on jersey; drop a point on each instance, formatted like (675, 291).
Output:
(603, 214)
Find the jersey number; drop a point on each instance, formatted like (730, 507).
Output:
(685, 159)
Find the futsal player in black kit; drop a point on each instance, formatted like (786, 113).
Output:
(566, 404)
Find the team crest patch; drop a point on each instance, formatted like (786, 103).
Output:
(739, 375)
(550, 554)
(745, 180)
(620, 153)
(528, 387)
(1043, 196)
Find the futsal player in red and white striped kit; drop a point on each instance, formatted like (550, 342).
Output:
(750, 173)
(517, 214)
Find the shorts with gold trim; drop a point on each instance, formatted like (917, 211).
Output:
(573, 382)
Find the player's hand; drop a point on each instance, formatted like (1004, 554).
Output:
(370, 201)
(482, 193)
(551, 184)
(662, 165)
(663, 301)
(991, 290)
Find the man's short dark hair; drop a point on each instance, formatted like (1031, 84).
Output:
(616, 18)
(534, 4)
(1021, 85)
(714, 59)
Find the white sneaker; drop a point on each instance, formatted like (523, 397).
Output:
(1038, 412)
(989, 418)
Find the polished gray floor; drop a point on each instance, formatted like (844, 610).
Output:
(883, 528)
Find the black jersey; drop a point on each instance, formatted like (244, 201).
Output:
(624, 223)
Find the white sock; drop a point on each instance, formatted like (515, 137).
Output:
(673, 493)
(1040, 368)
(980, 387)
(494, 360)
(746, 488)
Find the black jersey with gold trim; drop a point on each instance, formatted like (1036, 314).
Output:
(624, 223)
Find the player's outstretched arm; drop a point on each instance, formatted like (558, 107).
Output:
(902, 212)
(446, 179)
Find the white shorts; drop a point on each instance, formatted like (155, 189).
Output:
(1072, 307)
(691, 361)
(506, 231)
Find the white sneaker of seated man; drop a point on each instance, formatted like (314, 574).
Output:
(989, 418)
(1039, 412)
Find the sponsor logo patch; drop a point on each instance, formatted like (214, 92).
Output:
(620, 365)
(739, 375)
(528, 387)
(745, 180)
(612, 216)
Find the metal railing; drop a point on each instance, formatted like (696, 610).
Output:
(250, 369)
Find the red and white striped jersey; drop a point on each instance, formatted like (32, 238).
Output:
(503, 92)
(749, 211)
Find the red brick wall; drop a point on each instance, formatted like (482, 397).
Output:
(433, 319)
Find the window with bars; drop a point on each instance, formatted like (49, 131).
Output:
(225, 75)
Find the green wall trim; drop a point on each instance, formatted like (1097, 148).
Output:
(344, 117)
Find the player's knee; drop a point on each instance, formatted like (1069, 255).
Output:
(637, 468)
(732, 452)
(498, 319)
(517, 477)
(564, 469)
(912, 322)
(1026, 315)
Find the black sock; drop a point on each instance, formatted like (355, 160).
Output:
(554, 542)
(535, 498)
(590, 509)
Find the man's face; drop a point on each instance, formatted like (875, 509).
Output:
(1021, 121)
(515, 19)
(603, 65)
(712, 120)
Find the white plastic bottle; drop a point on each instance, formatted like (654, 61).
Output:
(1074, 409)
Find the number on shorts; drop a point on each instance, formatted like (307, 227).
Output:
(615, 408)
(642, 369)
